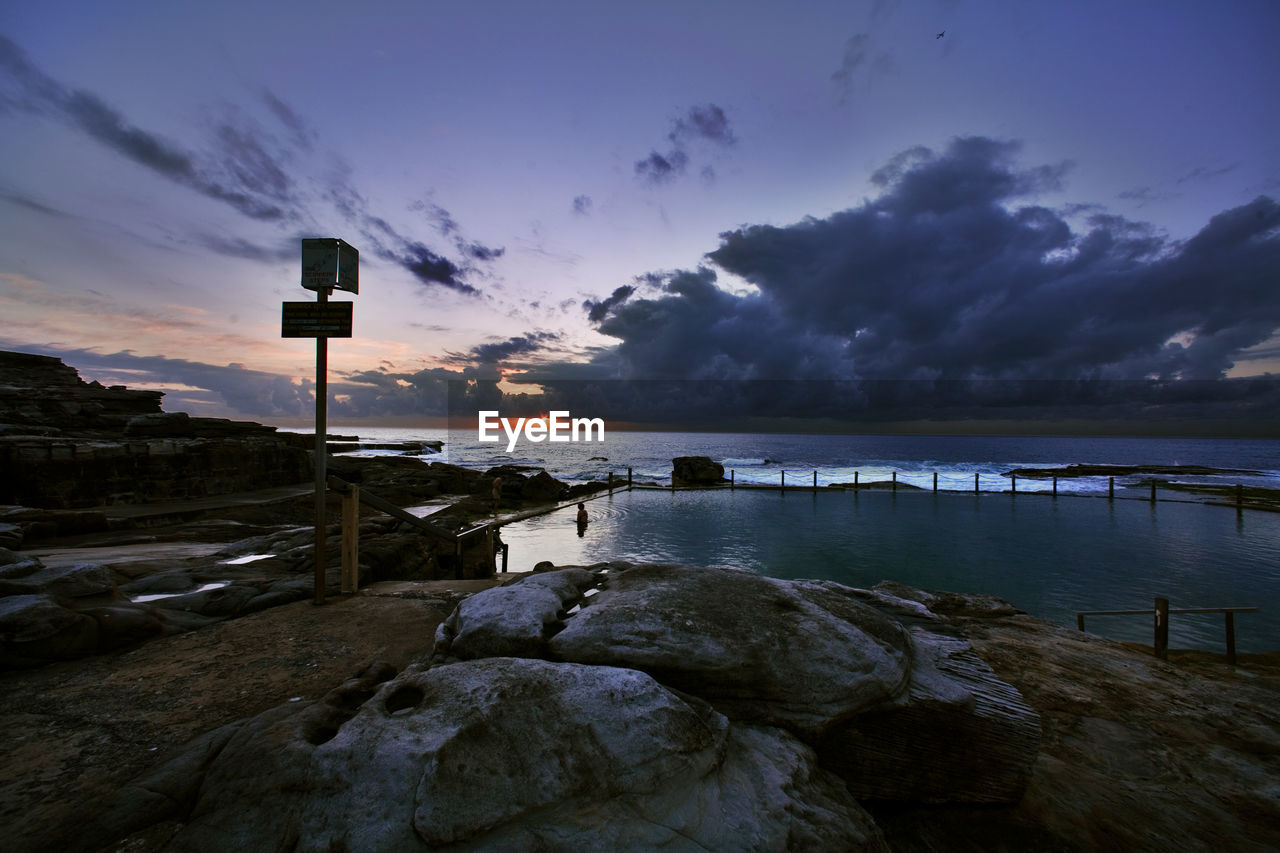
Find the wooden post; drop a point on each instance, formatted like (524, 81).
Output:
(895, 481)
(1162, 628)
(935, 481)
(1153, 491)
(610, 481)
(1239, 494)
(628, 478)
(1055, 487)
(351, 540)
(1111, 488)
(1013, 479)
(784, 479)
(855, 480)
(506, 549)
(975, 482)
(815, 478)
(733, 478)
(1080, 621)
(1230, 637)
(321, 452)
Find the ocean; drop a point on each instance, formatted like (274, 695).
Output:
(1050, 556)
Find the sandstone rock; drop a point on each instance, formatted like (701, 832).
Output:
(513, 620)
(170, 424)
(503, 754)
(75, 581)
(696, 470)
(958, 734)
(35, 629)
(758, 649)
(10, 536)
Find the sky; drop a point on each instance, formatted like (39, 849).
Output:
(558, 193)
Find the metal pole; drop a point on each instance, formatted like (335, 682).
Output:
(1162, 628)
(321, 449)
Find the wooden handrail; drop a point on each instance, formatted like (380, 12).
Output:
(1162, 612)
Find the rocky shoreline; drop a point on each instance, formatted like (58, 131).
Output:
(165, 687)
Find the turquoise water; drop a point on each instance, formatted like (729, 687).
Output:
(1048, 556)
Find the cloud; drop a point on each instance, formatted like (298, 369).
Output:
(31, 90)
(597, 311)
(706, 123)
(245, 167)
(582, 205)
(955, 275)
(496, 353)
(860, 63)
(1206, 173)
(661, 169)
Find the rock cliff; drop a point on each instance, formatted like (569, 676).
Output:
(65, 444)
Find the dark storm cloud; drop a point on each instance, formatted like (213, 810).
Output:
(954, 274)
(488, 354)
(597, 311)
(430, 268)
(706, 123)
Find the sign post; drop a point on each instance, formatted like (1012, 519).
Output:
(327, 264)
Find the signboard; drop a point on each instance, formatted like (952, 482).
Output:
(329, 263)
(315, 319)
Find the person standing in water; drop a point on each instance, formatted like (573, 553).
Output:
(582, 519)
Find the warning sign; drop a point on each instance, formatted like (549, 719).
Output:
(315, 319)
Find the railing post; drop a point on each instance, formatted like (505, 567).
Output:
(1111, 488)
(855, 481)
(1162, 628)
(351, 540)
(1013, 480)
(975, 482)
(506, 549)
(935, 481)
(628, 478)
(733, 478)
(895, 481)
(1231, 637)
(815, 478)
(784, 479)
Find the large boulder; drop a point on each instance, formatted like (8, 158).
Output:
(696, 470)
(508, 754)
(759, 649)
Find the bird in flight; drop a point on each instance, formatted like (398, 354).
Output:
(940, 35)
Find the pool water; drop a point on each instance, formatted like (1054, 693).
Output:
(1051, 557)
